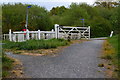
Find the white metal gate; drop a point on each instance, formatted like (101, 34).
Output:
(72, 32)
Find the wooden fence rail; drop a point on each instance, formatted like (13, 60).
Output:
(60, 32)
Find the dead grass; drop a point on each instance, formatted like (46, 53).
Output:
(17, 70)
(107, 55)
(108, 51)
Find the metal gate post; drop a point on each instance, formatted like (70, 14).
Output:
(89, 32)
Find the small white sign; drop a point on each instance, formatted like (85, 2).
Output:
(111, 34)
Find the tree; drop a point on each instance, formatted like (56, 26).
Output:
(106, 3)
(57, 10)
(14, 17)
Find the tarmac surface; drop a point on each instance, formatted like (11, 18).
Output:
(79, 60)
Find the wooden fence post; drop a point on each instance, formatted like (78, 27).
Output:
(39, 34)
(27, 34)
(10, 35)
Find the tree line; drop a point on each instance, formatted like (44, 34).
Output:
(103, 17)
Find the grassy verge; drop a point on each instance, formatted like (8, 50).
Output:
(111, 52)
(114, 42)
(7, 65)
(35, 44)
(116, 57)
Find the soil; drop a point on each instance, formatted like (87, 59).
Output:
(17, 71)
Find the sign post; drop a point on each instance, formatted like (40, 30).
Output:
(27, 16)
(82, 21)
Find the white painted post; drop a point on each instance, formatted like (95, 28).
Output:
(19, 37)
(89, 32)
(27, 34)
(52, 34)
(111, 34)
(39, 34)
(56, 30)
(14, 37)
(10, 35)
(4, 36)
(23, 37)
(52, 30)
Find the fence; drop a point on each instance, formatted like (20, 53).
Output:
(60, 32)
(20, 36)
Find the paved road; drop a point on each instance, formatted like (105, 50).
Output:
(75, 61)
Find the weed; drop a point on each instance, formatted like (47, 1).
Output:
(107, 56)
(100, 65)
(5, 73)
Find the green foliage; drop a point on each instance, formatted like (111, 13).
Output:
(14, 17)
(73, 15)
(35, 44)
(102, 17)
(6, 65)
(114, 42)
(57, 10)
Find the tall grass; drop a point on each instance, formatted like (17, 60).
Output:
(35, 44)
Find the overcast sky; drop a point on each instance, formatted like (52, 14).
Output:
(48, 4)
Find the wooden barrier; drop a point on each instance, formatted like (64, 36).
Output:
(60, 32)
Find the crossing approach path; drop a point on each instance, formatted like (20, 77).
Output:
(79, 60)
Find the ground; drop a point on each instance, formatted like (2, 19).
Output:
(80, 60)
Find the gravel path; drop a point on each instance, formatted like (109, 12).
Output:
(76, 61)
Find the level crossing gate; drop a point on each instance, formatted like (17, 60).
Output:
(72, 32)
(65, 32)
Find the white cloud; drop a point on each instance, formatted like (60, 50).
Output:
(88, 1)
